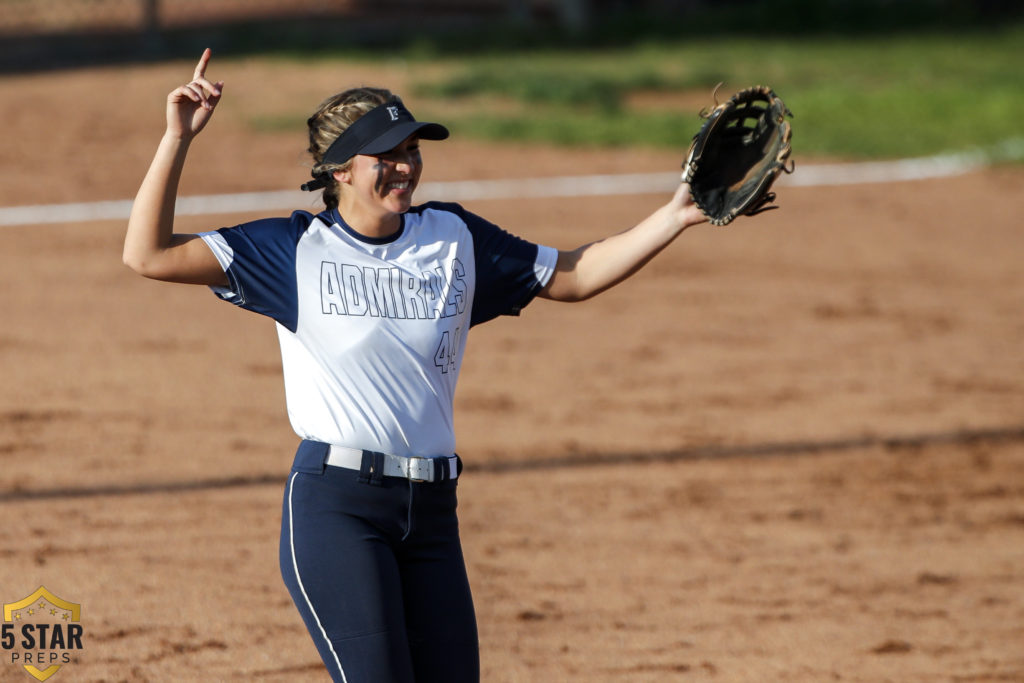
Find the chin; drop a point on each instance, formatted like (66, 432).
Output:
(402, 205)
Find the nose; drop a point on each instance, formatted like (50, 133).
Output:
(405, 162)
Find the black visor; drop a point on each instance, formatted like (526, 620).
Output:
(377, 131)
(381, 130)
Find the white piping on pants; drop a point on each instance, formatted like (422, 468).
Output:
(295, 565)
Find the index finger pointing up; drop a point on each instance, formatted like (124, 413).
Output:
(201, 66)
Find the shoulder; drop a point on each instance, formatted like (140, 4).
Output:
(446, 207)
(290, 228)
(455, 214)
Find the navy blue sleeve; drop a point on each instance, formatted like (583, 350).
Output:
(506, 276)
(262, 271)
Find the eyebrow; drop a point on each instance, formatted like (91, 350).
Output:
(415, 144)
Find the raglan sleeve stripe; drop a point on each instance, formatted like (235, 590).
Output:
(259, 261)
(544, 267)
(225, 256)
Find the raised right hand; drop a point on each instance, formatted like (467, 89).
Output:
(190, 106)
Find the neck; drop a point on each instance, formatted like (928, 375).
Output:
(370, 224)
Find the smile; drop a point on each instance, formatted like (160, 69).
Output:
(403, 185)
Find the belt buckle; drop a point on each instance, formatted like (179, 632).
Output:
(415, 472)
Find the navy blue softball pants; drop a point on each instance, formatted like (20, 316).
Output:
(375, 567)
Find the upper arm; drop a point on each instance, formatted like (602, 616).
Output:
(187, 260)
(562, 285)
(260, 262)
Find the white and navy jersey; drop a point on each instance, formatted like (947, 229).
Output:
(372, 331)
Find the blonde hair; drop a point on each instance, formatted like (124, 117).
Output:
(331, 119)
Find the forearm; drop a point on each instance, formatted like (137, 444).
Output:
(150, 246)
(151, 222)
(603, 264)
(598, 266)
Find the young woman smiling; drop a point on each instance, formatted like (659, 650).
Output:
(373, 298)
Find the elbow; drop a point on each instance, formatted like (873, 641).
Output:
(128, 260)
(140, 265)
(576, 296)
(134, 262)
(581, 295)
(569, 293)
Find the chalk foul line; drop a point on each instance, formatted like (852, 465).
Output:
(812, 175)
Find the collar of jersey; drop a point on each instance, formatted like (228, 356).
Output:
(340, 222)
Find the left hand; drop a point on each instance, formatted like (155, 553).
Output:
(683, 208)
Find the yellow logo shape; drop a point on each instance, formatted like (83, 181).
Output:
(42, 602)
(44, 673)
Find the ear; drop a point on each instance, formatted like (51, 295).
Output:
(343, 176)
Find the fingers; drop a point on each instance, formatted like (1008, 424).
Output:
(685, 208)
(190, 106)
(682, 194)
(203, 92)
(200, 71)
(199, 89)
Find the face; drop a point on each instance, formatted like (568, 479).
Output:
(381, 186)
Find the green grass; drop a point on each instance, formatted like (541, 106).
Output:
(868, 98)
(852, 97)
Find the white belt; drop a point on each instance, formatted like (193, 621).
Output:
(412, 468)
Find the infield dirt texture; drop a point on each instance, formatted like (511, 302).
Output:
(789, 450)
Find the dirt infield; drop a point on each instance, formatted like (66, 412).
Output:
(789, 450)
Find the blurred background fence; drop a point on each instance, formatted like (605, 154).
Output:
(59, 33)
(18, 17)
(37, 33)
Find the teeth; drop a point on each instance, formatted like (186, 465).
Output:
(400, 186)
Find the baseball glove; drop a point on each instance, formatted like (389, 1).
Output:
(740, 150)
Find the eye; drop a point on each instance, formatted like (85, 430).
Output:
(396, 155)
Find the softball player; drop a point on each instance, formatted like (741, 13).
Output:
(372, 300)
